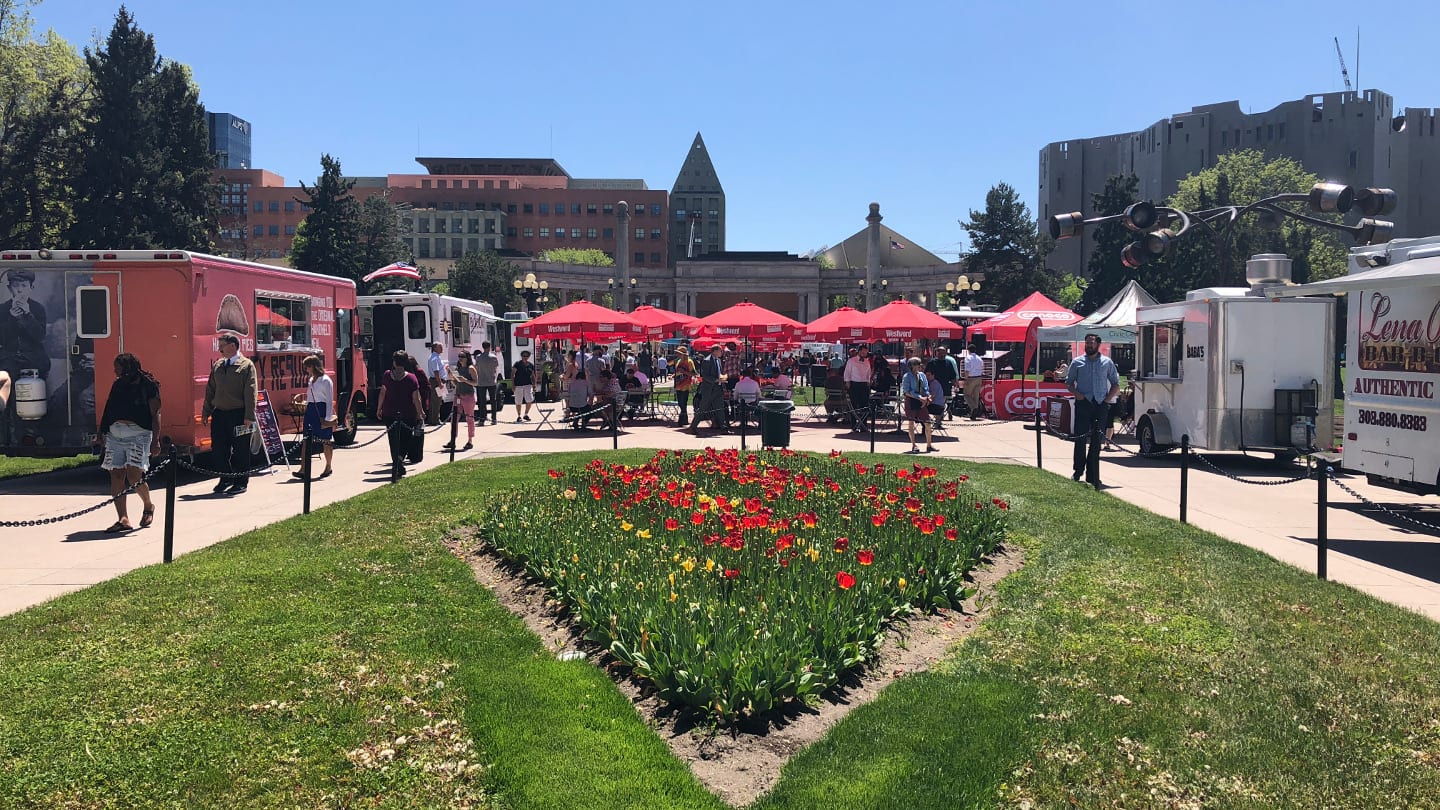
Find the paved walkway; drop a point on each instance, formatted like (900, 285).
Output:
(1387, 558)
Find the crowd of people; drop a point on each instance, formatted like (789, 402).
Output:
(596, 383)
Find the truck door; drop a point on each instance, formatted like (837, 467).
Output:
(418, 336)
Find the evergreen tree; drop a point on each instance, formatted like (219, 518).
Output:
(484, 276)
(380, 242)
(1005, 245)
(146, 178)
(328, 241)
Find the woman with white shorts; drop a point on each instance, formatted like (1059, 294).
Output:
(129, 430)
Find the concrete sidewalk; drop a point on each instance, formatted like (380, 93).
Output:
(1389, 559)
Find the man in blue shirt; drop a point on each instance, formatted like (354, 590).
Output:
(1094, 381)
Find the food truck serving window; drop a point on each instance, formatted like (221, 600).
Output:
(93, 306)
(282, 319)
(1160, 344)
(459, 327)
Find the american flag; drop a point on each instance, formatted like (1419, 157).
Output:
(896, 245)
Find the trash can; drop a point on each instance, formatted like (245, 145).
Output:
(774, 416)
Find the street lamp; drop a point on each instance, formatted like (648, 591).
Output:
(622, 298)
(1157, 228)
(879, 286)
(532, 290)
(963, 289)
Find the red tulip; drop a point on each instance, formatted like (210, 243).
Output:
(865, 556)
(845, 581)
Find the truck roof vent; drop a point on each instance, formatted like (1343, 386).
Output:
(1267, 268)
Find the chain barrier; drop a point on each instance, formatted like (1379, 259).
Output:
(1309, 474)
(1430, 527)
(145, 479)
(1128, 451)
(263, 469)
(382, 434)
(1075, 437)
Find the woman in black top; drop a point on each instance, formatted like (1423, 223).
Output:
(129, 429)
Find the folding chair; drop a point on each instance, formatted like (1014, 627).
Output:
(545, 418)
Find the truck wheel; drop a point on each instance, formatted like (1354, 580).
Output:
(1145, 435)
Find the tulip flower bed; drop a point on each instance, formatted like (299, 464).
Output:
(734, 583)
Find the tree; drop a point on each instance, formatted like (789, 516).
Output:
(1006, 246)
(1240, 178)
(1072, 290)
(484, 276)
(380, 242)
(593, 257)
(328, 241)
(42, 99)
(146, 177)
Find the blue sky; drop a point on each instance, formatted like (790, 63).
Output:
(810, 110)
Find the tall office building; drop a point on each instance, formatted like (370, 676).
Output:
(697, 205)
(1350, 137)
(229, 140)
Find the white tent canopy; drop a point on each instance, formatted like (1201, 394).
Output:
(1114, 321)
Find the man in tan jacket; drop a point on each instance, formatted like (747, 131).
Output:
(230, 411)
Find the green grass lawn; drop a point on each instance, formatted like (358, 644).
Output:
(345, 658)
(11, 467)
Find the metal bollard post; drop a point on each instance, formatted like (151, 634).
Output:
(615, 426)
(1184, 476)
(743, 425)
(1322, 501)
(305, 471)
(870, 417)
(454, 426)
(174, 475)
(1039, 457)
(396, 463)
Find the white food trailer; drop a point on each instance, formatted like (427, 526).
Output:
(1392, 361)
(1235, 370)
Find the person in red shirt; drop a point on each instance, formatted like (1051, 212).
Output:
(400, 408)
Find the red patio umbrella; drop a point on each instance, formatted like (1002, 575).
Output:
(659, 321)
(845, 323)
(747, 321)
(263, 314)
(902, 320)
(582, 320)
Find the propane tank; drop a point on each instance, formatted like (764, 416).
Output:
(30, 395)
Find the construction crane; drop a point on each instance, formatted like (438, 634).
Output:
(1344, 72)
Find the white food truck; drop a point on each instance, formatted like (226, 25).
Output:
(1392, 361)
(1236, 370)
(412, 321)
